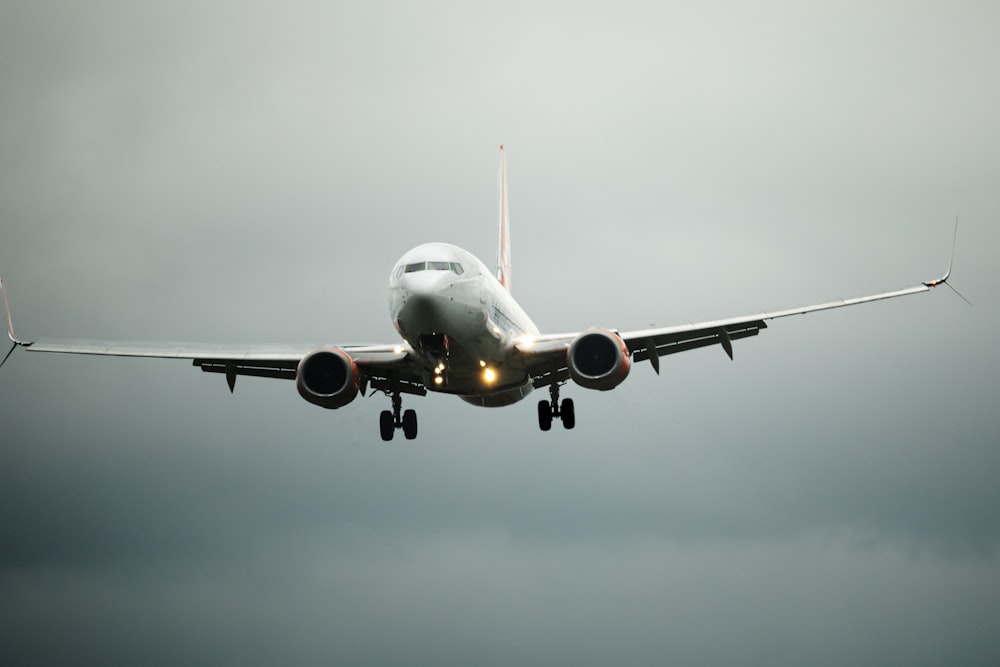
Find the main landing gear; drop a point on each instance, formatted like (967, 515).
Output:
(390, 420)
(552, 409)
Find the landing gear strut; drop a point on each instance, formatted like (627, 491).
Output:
(389, 421)
(552, 409)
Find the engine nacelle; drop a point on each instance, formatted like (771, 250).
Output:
(598, 359)
(327, 377)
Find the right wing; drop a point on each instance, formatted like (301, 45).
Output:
(379, 365)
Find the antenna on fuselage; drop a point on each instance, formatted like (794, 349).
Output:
(503, 252)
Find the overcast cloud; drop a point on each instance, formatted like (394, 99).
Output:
(222, 172)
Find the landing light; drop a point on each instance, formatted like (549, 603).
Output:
(438, 379)
(489, 375)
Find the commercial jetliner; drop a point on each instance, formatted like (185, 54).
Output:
(463, 334)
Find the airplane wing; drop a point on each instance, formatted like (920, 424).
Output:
(546, 356)
(377, 364)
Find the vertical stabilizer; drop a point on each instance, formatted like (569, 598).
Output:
(503, 253)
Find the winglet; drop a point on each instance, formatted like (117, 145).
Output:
(10, 326)
(943, 280)
(947, 274)
(503, 252)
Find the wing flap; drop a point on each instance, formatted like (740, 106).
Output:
(278, 370)
(674, 343)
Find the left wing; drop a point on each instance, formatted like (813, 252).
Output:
(546, 356)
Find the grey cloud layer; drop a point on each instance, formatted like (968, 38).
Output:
(220, 172)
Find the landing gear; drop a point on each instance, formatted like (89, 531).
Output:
(389, 421)
(551, 409)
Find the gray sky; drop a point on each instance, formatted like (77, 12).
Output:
(216, 172)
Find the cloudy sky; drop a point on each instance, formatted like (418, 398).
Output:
(221, 172)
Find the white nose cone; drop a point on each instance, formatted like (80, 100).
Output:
(425, 283)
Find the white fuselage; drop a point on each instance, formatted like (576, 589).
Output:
(461, 323)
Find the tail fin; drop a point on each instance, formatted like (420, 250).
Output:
(503, 253)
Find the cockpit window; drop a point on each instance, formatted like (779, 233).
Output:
(454, 267)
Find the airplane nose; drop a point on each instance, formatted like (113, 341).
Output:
(425, 283)
(421, 308)
(425, 297)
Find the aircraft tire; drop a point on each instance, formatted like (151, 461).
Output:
(410, 424)
(544, 415)
(568, 413)
(386, 425)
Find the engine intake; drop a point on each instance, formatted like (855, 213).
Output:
(598, 359)
(327, 377)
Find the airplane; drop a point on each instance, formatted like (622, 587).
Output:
(463, 333)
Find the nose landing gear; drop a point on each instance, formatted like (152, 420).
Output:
(552, 409)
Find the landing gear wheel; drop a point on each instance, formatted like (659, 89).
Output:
(544, 415)
(410, 424)
(386, 425)
(568, 413)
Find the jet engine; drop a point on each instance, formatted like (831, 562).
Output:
(327, 377)
(598, 359)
